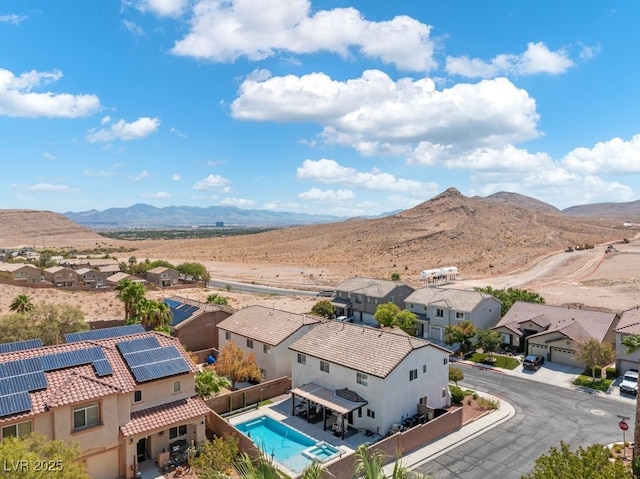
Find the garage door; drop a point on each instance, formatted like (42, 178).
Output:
(369, 319)
(104, 466)
(565, 356)
(435, 333)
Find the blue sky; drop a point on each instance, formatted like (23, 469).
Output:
(336, 107)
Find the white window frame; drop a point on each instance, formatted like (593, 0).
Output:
(302, 359)
(177, 431)
(137, 392)
(439, 313)
(18, 430)
(87, 417)
(413, 374)
(250, 343)
(266, 349)
(324, 366)
(177, 386)
(362, 378)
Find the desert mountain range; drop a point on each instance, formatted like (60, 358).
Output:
(480, 236)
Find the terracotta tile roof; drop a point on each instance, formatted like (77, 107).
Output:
(629, 321)
(160, 417)
(80, 383)
(375, 288)
(360, 348)
(456, 299)
(266, 325)
(592, 324)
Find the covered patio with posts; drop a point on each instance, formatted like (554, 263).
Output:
(317, 402)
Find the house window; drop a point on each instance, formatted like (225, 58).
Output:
(302, 359)
(21, 429)
(375, 301)
(459, 315)
(324, 366)
(392, 299)
(137, 396)
(177, 387)
(368, 299)
(177, 431)
(371, 414)
(424, 369)
(86, 416)
(445, 361)
(413, 374)
(359, 412)
(358, 298)
(250, 343)
(227, 335)
(266, 349)
(439, 313)
(361, 378)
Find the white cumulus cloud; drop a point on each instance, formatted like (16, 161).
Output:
(122, 130)
(211, 182)
(615, 155)
(17, 98)
(13, 18)
(44, 188)
(316, 194)
(239, 202)
(163, 8)
(536, 59)
(224, 31)
(157, 195)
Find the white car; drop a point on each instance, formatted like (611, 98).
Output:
(344, 319)
(629, 382)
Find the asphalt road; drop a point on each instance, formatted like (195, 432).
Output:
(257, 288)
(545, 415)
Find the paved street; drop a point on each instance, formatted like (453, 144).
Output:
(545, 415)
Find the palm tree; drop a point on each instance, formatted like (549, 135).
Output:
(130, 293)
(315, 470)
(370, 465)
(262, 468)
(163, 315)
(632, 344)
(21, 304)
(209, 383)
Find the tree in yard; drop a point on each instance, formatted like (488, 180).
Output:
(217, 299)
(61, 458)
(370, 465)
(21, 304)
(208, 383)
(50, 322)
(196, 271)
(489, 340)
(216, 457)
(460, 334)
(323, 308)
(232, 363)
(455, 374)
(407, 320)
(386, 314)
(511, 295)
(130, 293)
(262, 467)
(632, 344)
(591, 463)
(594, 353)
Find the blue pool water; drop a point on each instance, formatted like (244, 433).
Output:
(288, 446)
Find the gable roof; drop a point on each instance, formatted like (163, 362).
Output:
(576, 324)
(11, 267)
(360, 348)
(456, 299)
(266, 325)
(629, 321)
(76, 384)
(160, 270)
(376, 288)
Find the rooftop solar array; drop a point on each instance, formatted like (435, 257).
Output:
(105, 333)
(20, 346)
(148, 360)
(20, 377)
(180, 311)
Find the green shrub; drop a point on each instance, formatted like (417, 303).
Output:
(611, 373)
(457, 394)
(486, 403)
(597, 369)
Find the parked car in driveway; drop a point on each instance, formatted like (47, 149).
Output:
(532, 362)
(345, 319)
(629, 382)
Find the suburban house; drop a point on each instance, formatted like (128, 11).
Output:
(359, 297)
(554, 332)
(92, 278)
(195, 323)
(59, 276)
(95, 263)
(438, 308)
(163, 276)
(109, 269)
(366, 377)
(267, 333)
(123, 394)
(21, 272)
(629, 324)
(114, 279)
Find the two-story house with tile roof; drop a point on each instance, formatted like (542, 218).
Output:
(21, 272)
(92, 278)
(370, 378)
(554, 332)
(123, 394)
(359, 297)
(267, 333)
(195, 323)
(438, 308)
(60, 277)
(629, 324)
(163, 276)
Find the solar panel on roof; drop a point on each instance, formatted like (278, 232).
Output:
(69, 359)
(23, 383)
(20, 366)
(140, 344)
(105, 333)
(151, 356)
(14, 403)
(163, 369)
(20, 345)
(102, 368)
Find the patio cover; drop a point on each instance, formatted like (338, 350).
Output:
(341, 302)
(326, 398)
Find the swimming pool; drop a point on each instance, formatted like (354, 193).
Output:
(287, 445)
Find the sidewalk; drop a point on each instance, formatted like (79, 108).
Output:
(450, 441)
